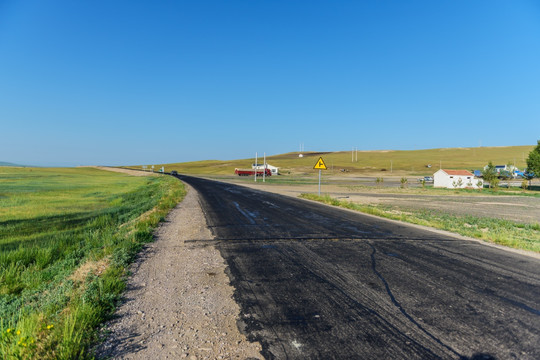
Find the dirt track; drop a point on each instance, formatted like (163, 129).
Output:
(179, 302)
(127, 171)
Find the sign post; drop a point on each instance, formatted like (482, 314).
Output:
(320, 165)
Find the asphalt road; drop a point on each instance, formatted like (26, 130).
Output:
(316, 282)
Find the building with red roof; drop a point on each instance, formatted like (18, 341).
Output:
(455, 179)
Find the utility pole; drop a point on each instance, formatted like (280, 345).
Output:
(255, 166)
(264, 171)
(391, 164)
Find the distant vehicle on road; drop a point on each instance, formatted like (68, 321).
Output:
(426, 179)
(174, 172)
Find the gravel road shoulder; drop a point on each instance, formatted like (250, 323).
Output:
(179, 303)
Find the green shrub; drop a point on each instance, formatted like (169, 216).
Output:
(404, 182)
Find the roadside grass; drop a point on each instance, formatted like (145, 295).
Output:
(376, 163)
(370, 186)
(66, 239)
(430, 190)
(499, 231)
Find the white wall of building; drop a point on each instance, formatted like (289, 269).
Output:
(452, 181)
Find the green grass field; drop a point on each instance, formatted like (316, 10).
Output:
(372, 163)
(66, 237)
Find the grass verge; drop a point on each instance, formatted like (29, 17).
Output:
(430, 190)
(66, 239)
(499, 231)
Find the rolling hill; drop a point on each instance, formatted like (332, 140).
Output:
(368, 163)
(3, 163)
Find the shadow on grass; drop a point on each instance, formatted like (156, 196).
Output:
(40, 224)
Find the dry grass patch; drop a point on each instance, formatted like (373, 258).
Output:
(90, 267)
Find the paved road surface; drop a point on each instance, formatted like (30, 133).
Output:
(316, 282)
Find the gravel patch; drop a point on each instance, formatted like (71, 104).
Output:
(179, 303)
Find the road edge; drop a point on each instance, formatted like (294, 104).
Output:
(416, 226)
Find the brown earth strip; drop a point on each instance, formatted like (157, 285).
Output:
(179, 303)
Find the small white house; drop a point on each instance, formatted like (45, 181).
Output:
(499, 168)
(510, 168)
(274, 170)
(453, 179)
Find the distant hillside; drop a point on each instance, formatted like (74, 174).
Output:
(3, 163)
(370, 163)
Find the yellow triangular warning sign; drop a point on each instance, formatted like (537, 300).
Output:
(320, 164)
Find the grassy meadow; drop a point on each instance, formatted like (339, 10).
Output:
(498, 231)
(370, 163)
(66, 238)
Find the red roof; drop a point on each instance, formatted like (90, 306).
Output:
(458, 172)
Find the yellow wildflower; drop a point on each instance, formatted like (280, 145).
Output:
(18, 332)
(8, 330)
(50, 327)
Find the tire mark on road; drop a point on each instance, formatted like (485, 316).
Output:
(336, 282)
(247, 214)
(234, 271)
(400, 308)
(491, 262)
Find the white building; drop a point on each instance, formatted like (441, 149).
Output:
(499, 168)
(509, 168)
(453, 179)
(274, 170)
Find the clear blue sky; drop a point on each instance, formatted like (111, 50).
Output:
(142, 82)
